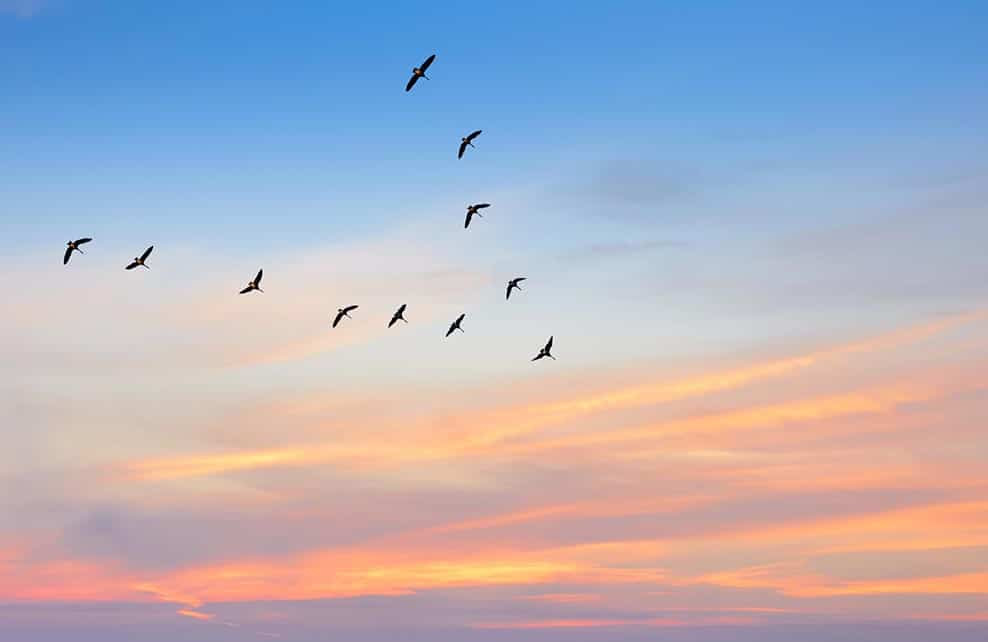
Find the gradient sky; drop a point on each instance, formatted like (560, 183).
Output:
(757, 231)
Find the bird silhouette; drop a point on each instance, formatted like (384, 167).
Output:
(546, 351)
(474, 209)
(343, 312)
(73, 246)
(255, 284)
(399, 314)
(467, 141)
(513, 285)
(140, 260)
(419, 72)
(455, 325)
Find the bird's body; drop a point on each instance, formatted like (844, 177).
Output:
(455, 325)
(399, 314)
(546, 351)
(419, 72)
(467, 141)
(255, 284)
(513, 285)
(472, 210)
(343, 312)
(73, 246)
(140, 260)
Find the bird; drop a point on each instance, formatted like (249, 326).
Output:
(343, 312)
(255, 284)
(513, 285)
(74, 246)
(399, 314)
(455, 325)
(419, 72)
(140, 260)
(467, 141)
(546, 351)
(474, 209)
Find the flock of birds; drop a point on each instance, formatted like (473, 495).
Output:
(344, 312)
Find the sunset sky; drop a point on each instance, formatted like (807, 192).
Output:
(756, 230)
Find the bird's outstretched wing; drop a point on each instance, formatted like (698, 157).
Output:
(473, 135)
(68, 254)
(339, 315)
(428, 62)
(147, 253)
(83, 241)
(452, 326)
(548, 346)
(411, 82)
(246, 290)
(481, 206)
(507, 293)
(466, 223)
(257, 279)
(133, 264)
(350, 308)
(538, 356)
(463, 148)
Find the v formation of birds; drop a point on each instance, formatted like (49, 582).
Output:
(344, 312)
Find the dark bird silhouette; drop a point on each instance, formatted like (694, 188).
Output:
(140, 260)
(419, 72)
(546, 351)
(455, 325)
(474, 209)
(513, 285)
(255, 284)
(343, 312)
(467, 141)
(399, 314)
(73, 246)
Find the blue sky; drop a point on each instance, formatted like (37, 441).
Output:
(756, 231)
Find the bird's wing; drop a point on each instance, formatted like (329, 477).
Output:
(481, 206)
(463, 148)
(147, 253)
(246, 290)
(507, 293)
(132, 265)
(83, 241)
(350, 308)
(68, 253)
(411, 82)
(428, 62)
(452, 326)
(548, 346)
(538, 356)
(336, 321)
(466, 223)
(401, 310)
(257, 279)
(394, 320)
(460, 318)
(473, 135)
(521, 278)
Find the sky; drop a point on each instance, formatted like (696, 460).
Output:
(756, 232)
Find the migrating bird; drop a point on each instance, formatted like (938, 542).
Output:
(513, 285)
(455, 325)
(419, 72)
(474, 209)
(73, 246)
(399, 314)
(255, 284)
(344, 312)
(140, 260)
(546, 351)
(467, 141)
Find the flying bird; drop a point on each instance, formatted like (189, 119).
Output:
(73, 246)
(467, 141)
(140, 260)
(419, 72)
(546, 351)
(474, 209)
(455, 325)
(343, 312)
(399, 314)
(513, 285)
(255, 284)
